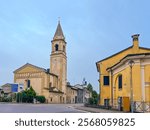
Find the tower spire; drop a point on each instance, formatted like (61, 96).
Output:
(59, 33)
(58, 60)
(58, 19)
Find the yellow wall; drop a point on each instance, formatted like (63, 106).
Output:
(125, 91)
(137, 81)
(105, 91)
(136, 76)
(147, 84)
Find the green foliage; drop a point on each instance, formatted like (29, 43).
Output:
(26, 96)
(30, 92)
(2, 92)
(94, 99)
(91, 101)
(90, 87)
(1, 95)
(18, 97)
(6, 99)
(41, 99)
(94, 94)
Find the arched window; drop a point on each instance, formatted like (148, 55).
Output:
(120, 81)
(56, 47)
(28, 83)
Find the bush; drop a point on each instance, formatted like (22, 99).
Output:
(18, 97)
(41, 99)
(6, 99)
(26, 96)
(93, 101)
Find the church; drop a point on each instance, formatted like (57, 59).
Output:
(51, 83)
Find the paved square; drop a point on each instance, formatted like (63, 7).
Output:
(38, 108)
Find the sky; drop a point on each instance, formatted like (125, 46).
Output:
(94, 29)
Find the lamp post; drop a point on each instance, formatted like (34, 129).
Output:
(131, 63)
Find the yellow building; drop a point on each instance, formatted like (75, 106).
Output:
(50, 83)
(125, 76)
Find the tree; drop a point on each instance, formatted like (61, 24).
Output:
(30, 92)
(94, 98)
(94, 94)
(91, 101)
(90, 87)
(2, 94)
(26, 96)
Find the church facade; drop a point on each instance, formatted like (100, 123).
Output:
(51, 83)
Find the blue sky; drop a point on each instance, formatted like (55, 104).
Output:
(94, 29)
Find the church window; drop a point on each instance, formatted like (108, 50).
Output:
(56, 47)
(28, 83)
(64, 48)
(120, 82)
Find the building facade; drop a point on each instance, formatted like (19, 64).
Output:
(131, 79)
(71, 94)
(50, 83)
(124, 77)
(10, 88)
(83, 94)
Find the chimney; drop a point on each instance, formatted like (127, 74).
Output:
(136, 41)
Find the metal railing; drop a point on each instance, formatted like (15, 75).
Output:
(140, 106)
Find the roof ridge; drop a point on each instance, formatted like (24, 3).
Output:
(29, 65)
(115, 54)
(128, 55)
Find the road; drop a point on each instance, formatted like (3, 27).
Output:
(38, 108)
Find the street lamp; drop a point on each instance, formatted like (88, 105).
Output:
(131, 63)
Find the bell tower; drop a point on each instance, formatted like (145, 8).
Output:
(58, 59)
